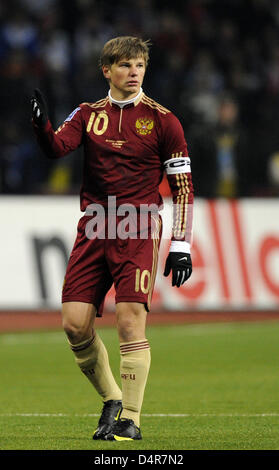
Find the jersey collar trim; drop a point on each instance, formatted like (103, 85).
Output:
(135, 101)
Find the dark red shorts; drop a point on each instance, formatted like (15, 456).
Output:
(130, 264)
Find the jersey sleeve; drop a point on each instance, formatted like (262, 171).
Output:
(177, 165)
(65, 139)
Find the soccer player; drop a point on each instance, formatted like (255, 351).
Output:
(129, 140)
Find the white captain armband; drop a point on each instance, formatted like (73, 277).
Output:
(177, 165)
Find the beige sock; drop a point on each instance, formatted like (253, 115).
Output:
(92, 358)
(135, 361)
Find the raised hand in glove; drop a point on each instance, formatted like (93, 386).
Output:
(181, 266)
(39, 108)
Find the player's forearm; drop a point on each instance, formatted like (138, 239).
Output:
(179, 258)
(183, 200)
(52, 146)
(61, 142)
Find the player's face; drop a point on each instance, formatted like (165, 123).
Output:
(125, 77)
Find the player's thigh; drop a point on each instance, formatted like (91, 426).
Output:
(131, 321)
(87, 279)
(78, 320)
(133, 263)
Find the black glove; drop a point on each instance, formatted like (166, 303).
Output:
(181, 266)
(39, 108)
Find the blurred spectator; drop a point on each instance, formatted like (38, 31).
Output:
(273, 174)
(203, 87)
(220, 154)
(21, 169)
(18, 32)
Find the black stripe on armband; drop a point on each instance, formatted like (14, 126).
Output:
(177, 165)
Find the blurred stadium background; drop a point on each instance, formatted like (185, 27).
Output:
(215, 64)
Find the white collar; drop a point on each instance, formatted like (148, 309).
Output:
(123, 103)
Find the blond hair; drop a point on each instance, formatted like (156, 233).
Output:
(124, 47)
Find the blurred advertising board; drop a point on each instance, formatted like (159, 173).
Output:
(235, 252)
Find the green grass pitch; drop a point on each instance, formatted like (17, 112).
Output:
(210, 387)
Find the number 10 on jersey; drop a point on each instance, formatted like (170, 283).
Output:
(100, 123)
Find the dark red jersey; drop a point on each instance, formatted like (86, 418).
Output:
(126, 151)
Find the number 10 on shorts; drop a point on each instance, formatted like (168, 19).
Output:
(142, 281)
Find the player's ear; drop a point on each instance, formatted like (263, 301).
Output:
(106, 71)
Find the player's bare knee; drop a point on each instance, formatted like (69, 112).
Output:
(127, 330)
(130, 319)
(75, 333)
(76, 330)
(78, 321)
